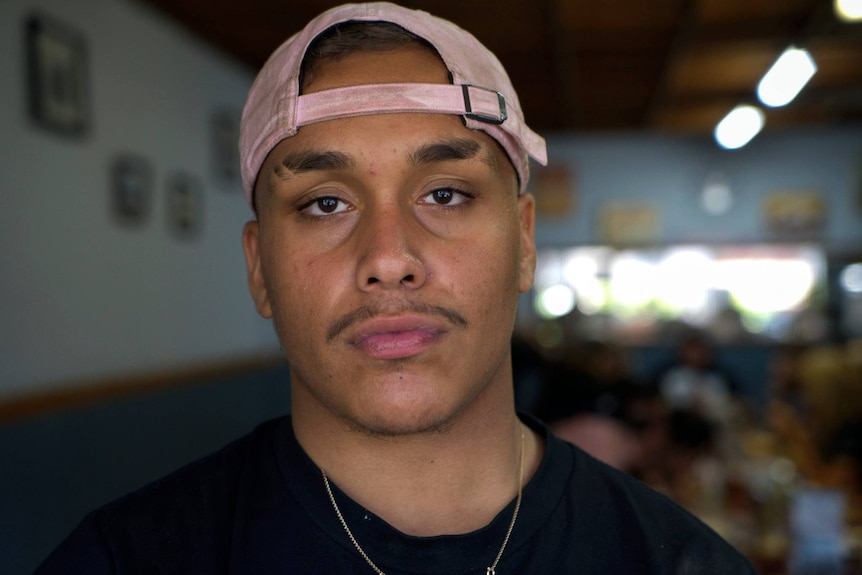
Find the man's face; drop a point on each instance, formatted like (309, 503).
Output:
(389, 251)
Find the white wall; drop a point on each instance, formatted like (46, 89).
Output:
(82, 297)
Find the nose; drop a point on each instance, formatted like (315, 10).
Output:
(389, 256)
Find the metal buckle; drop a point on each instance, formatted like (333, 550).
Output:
(479, 116)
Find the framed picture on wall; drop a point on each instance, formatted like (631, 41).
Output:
(57, 76)
(224, 134)
(795, 211)
(555, 191)
(858, 185)
(626, 224)
(131, 189)
(185, 205)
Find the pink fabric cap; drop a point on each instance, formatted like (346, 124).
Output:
(481, 91)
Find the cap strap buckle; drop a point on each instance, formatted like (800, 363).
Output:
(485, 94)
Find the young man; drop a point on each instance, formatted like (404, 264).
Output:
(386, 157)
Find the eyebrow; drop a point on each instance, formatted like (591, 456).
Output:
(310, 160)
(454, 149)
(457, 149)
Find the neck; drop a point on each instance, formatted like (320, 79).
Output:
(440, 482)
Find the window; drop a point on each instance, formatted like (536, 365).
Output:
(772, 292)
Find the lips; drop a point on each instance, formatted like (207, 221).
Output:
(396, 337)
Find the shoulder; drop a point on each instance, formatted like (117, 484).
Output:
(198, 485)
(155, 526)
(646, 523)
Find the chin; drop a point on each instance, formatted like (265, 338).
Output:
(400, 422)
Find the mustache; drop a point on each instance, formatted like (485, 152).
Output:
(371, 310)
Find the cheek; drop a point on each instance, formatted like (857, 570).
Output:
(301, 288)
(489, 272)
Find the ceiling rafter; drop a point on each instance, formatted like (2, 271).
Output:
(599, 65)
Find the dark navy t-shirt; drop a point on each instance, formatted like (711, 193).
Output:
(259, 506)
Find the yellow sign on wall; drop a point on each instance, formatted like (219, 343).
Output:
(555, 192)
(628, 224)
(794, 211)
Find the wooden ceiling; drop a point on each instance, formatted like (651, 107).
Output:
(607, 65)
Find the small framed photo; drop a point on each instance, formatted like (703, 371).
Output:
(185, 205)
(57, 76)
(131, 189)
(224, 135)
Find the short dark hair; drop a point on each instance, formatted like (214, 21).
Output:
(346, 38)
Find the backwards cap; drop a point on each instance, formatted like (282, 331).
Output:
(481, 91)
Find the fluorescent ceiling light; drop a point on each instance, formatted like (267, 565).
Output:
(786, 77)
(739, 126)
(849, 10)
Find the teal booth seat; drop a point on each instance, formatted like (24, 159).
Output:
(56, 467)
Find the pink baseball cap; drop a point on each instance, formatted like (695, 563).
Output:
(481, 91)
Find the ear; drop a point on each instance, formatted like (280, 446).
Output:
(256, 283)
(527, 219)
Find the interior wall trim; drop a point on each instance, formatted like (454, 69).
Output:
(79, 394)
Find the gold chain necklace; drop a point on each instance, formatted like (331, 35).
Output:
(490, 570)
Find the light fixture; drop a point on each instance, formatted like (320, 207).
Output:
(555, 301)
(739, 126)
(849, 10)
(716, 197)
(851, 278)
(787, 76)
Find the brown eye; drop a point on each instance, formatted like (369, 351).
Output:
(447, 196)
(443, 196)
(327, 205)
(324, 206)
